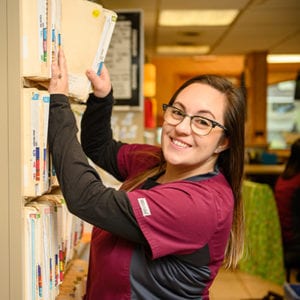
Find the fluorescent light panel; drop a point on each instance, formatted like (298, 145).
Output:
(210, 17)
(182, 49)
(283, 58)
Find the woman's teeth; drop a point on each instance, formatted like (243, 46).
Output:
(180, 144)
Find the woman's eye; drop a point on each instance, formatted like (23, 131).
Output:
(177, 112)
(202, 122)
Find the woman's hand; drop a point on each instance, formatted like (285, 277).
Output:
(59, 78)
(101, 83)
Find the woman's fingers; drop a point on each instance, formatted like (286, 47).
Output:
(62, 63)
(59, 78)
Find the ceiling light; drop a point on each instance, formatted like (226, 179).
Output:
(182, 49)
(283, 58)
(212, 17)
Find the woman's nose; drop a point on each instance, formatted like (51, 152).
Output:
(184, 126)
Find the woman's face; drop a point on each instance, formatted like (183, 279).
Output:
(183, 148)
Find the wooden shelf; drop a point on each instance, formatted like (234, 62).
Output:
(259, 169)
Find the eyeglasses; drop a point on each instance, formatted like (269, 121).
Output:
(199, 125)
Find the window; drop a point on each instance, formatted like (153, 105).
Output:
(283, 115)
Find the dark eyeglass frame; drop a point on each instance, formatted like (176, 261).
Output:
(184, 115)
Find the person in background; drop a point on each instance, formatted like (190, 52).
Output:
(287, 195)
(178, 215)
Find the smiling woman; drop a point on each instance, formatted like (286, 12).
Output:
(178, 215)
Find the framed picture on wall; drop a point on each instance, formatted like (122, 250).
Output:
(125, 60)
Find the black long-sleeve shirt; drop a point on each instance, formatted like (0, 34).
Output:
(85, 194)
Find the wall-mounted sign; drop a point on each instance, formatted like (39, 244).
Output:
(125, 59)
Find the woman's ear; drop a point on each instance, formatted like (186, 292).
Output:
(223, 145)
